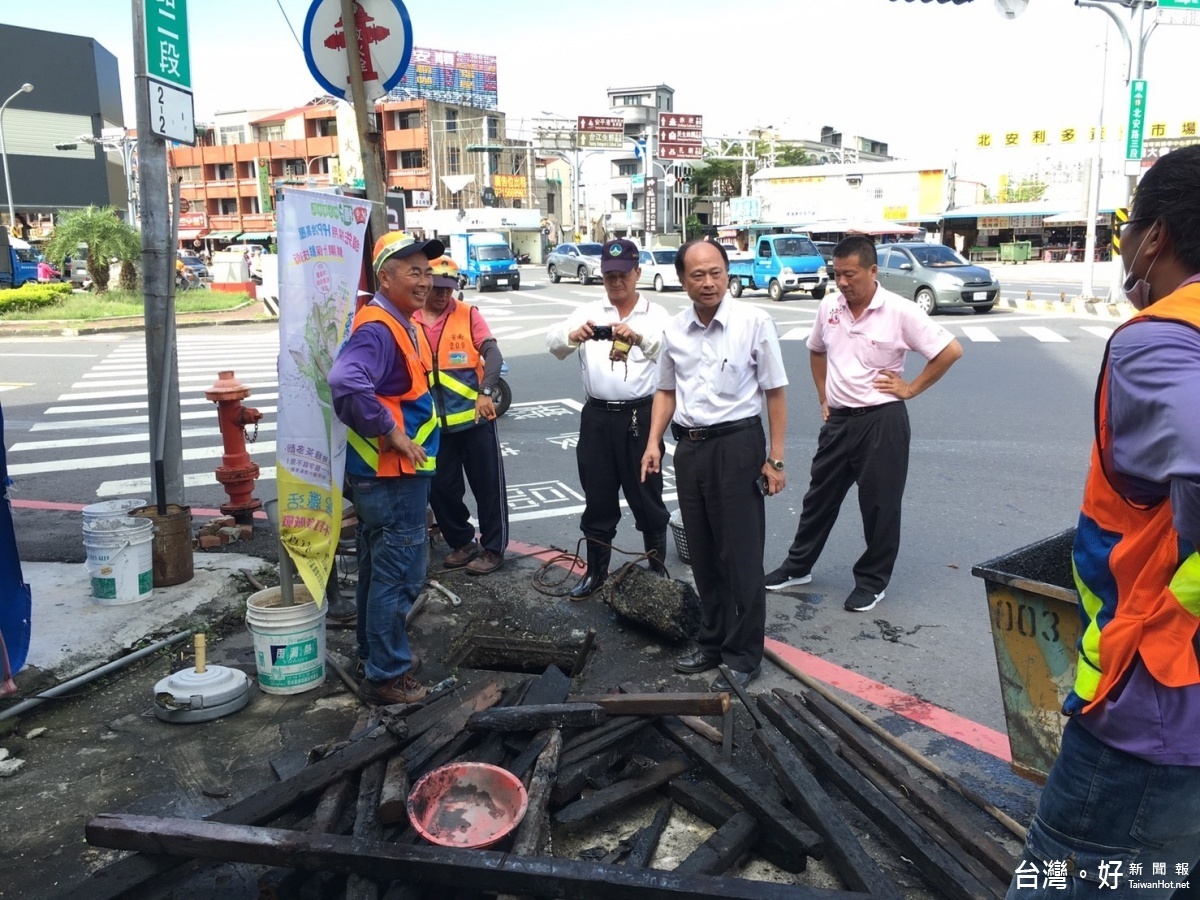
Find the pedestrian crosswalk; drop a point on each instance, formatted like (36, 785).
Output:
(100, 422)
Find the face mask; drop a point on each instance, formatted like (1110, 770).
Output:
(1137, 291)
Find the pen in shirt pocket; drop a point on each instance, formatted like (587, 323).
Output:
(723, 364)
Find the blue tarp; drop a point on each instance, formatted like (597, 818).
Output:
(15, 597)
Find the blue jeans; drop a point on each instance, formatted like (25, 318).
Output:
(392, 542)
(1108, 824)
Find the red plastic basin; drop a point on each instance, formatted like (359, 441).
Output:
(467, 805)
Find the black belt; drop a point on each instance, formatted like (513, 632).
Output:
(841, 411)
(620, 405)
(712, 431)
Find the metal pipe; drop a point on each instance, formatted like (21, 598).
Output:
(88, 677)
(12, 216)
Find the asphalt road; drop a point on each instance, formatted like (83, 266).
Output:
(998, 459)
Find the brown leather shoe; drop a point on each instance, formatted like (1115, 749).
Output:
(485, 563)
(360, 668)
(460, 556)
(405, 689)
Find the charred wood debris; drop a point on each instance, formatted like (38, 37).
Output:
(339, 827)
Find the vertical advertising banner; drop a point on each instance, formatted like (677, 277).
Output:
(320, 258)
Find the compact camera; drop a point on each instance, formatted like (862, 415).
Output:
(602, 333)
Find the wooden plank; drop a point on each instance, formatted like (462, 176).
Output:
(367, 826)
(128, 874)
(997, 887)
(585, 650)
(933, 863)
(965, 833)
(724, 848)
(600, 731)
(537, 718)
(393, 798)
(527, 757)
(645, 842)
(763, 802)
(622, 792)
(441, 733)
(682, 704)
(842, 848)
(709, 732)
(283, 884)
(702, 800)
(574, 778)
(484, 870)
(741, 694)
(604, 738)
(528, 839)
(552, 686)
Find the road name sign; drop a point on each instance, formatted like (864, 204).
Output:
(167, 55)
(1137, 119)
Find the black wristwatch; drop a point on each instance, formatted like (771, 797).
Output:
(776, 464)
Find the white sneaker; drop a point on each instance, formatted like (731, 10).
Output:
(780, 579)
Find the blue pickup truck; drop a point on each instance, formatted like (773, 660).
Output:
(18, 262)
(782, 263)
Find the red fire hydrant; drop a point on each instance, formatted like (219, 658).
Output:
(237, 472)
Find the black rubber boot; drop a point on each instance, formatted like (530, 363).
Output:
(656, 541)
(597, 571)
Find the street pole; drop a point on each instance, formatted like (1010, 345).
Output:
(368, 133)
(648, 184)
(158, 275)
(12, 216)
(1093, 200)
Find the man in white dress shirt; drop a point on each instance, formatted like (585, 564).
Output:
(720, 365)
(618, 339)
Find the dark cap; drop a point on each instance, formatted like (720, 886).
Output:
(618, 256)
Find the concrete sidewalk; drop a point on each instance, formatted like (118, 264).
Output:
(74, 633)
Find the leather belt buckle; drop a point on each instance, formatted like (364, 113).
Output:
(859, 410)
(697, 434)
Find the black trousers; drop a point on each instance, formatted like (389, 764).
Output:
(719, 481)
(609, 456)
(475, 452)
(872, 451)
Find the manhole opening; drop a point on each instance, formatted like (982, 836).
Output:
(527, 656)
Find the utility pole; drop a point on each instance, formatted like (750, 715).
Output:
(158, 281)
(365, 120)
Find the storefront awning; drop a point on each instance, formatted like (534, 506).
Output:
(222, 235)
(1076, 218)
(258, 236)
(190, 234)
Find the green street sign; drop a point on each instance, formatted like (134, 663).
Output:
(1179, 4)
(1137, 119)
(167, 56)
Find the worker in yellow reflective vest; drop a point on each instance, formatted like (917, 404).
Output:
(380, 386)
(466, 369)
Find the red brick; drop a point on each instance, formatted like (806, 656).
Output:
(208, 541)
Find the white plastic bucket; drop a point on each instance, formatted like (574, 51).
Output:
(120, 559)
(110, 509)
(289, 641)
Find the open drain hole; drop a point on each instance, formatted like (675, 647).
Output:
(528, 656)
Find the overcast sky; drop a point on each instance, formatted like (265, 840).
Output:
(924, 78)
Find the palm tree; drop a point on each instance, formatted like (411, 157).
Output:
(106, 236)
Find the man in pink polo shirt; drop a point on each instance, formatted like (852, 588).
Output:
(856, 351)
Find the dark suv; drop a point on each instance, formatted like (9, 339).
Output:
(580, 261)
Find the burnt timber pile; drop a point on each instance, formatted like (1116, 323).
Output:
(803, 781)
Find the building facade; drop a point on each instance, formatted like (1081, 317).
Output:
(438, 155)
(76, 92)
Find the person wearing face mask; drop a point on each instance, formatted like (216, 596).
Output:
(1121, 806)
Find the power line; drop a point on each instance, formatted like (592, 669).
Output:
(289, 24)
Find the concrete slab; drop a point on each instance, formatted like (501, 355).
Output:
(73, 633)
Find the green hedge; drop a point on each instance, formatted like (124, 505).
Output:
(31, 295)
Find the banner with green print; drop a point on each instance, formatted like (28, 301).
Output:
(320, 257)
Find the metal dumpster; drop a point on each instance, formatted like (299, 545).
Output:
(1033, 609)
(1016, 252)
